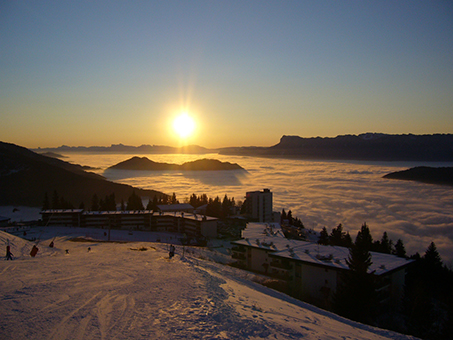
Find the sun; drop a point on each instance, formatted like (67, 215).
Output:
(184, 125)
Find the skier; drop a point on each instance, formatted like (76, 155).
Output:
(9, 255)
(172, 251)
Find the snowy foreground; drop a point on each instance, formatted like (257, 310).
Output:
(122, 291)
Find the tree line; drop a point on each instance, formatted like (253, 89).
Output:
(215, 207)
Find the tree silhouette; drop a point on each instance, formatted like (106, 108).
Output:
(356, 295)
(323, 237)
(46, 203)
(399, 251)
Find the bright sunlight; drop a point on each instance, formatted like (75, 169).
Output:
(184, 125)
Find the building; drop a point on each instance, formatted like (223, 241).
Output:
(62, 217)
(192, 225)
(184, 207)
(313, 271)
(258, 205)
(4, 221)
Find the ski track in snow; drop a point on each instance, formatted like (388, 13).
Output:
(115, 291)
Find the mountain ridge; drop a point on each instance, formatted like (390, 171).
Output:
(26, 176)
(366, 147)
(144, 163)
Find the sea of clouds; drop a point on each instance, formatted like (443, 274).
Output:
(320, 193)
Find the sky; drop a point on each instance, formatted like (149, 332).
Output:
(84, 73)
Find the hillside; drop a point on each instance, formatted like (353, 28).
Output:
(443, 176)
(369, 147)
(101, 290)
(25, 177)
(143, 163)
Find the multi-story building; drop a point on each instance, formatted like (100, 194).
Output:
(192, 225)
(258, 205)
(313, 271)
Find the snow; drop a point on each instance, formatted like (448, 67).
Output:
(269, 236)
(119, 290)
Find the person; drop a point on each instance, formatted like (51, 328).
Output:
(172, 251)
(9, 255)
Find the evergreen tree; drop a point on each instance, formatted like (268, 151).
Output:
(364, 238)
(95, 203)
(399, 251)
(432, 257)
(347, 240)
(290, 217)
(55, 200)
(82, 206)
(283, 216)
(134, 202)
(385, 244)
(173, 199)
(336, 236)
(123, 207)
(323, 237)
(46, 203)
(102, 206)
(356, 295)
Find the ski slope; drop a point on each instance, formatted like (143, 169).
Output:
(131, 290)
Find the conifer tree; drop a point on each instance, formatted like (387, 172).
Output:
(55, 200)
(399, 251)
(95, 203)
(356, 296)
(323, 237)
(385, 244)
(46, 203)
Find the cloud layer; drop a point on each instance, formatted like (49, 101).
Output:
(320, 193)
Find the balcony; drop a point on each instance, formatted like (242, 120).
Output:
(281, 265)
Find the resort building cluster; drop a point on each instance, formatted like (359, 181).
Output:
(311, 271)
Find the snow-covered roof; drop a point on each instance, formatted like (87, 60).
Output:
(119, 212)
(61, 211)
(175, 207)
(334, 256)
(269, 236)
(186, 215)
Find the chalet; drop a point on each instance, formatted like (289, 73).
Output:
(313, 271)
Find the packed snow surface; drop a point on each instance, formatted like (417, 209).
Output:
(132, 290)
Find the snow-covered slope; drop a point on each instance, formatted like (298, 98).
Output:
(133, 291)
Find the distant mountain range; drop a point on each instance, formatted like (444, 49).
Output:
(425, 174)
(26, 176)
(368, 147)
(143, 163)
(121, 148)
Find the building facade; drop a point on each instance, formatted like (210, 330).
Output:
(147, 220)
(313, 272)
(258, 205)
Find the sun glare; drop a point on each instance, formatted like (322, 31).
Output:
(184, 125)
